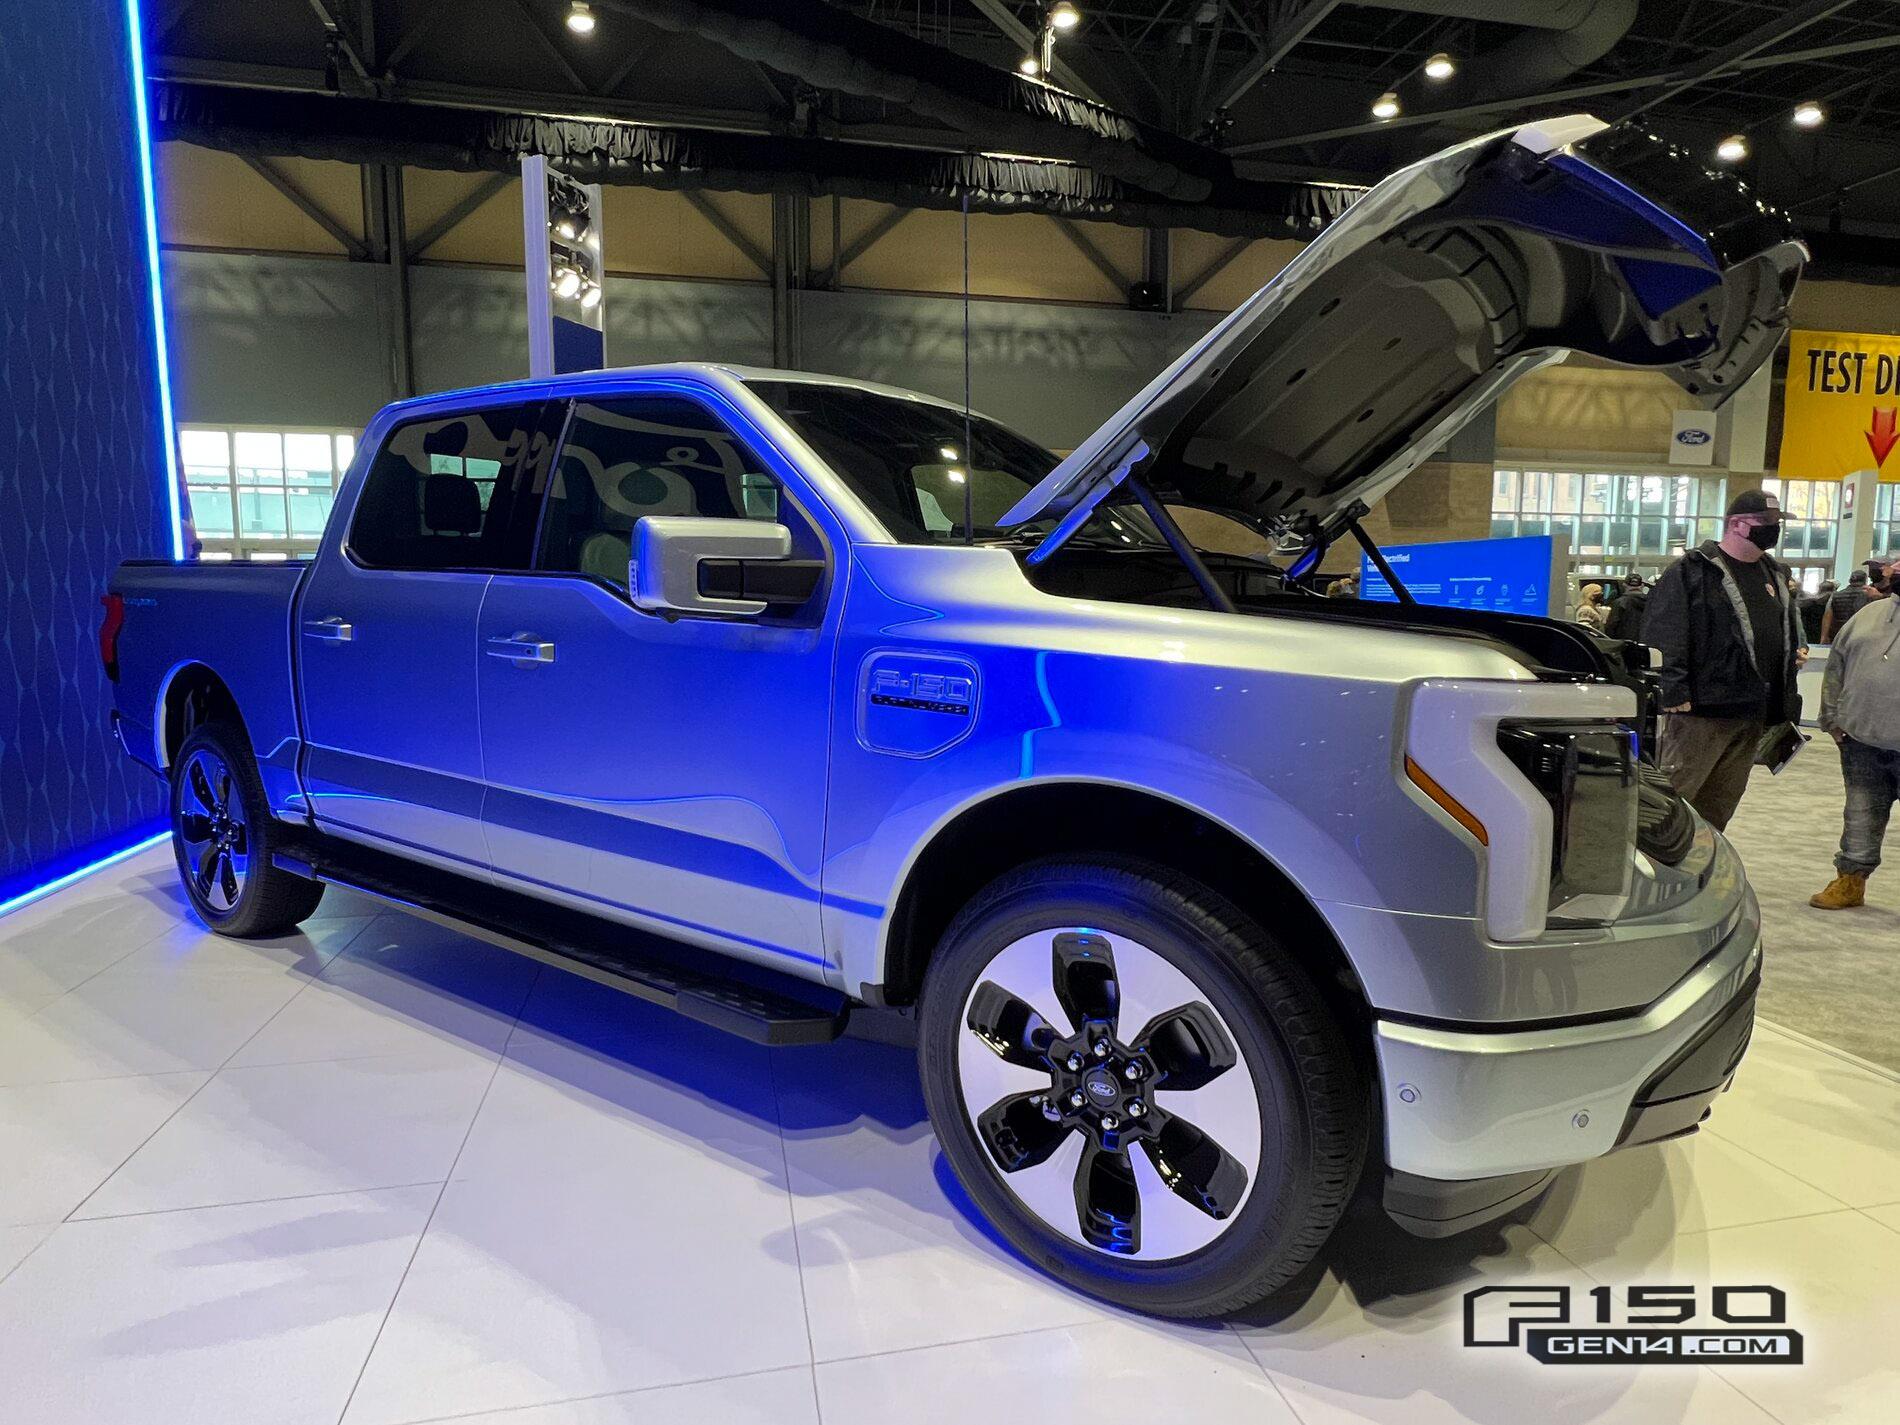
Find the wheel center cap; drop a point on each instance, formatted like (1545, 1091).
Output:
(1100, 1086)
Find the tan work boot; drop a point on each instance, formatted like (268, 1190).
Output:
(1842, 893)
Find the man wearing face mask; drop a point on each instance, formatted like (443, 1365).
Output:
(1731, 644)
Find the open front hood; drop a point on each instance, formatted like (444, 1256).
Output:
(1429, 297)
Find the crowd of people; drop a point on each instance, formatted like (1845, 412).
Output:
(1734, 631)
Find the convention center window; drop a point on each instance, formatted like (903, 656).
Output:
(1886, 523)
(1622, 521)
(436, 497)
(259, 493)
(657, 455)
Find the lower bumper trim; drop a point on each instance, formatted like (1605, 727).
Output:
(1675, 1099)
(1436, 1207)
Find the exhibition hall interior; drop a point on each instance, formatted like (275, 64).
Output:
(833, 710)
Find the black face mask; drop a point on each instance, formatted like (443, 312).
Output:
(1765, 536)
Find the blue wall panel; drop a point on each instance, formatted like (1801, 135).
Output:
(82, 481)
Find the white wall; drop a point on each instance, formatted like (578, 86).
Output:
(304, 341)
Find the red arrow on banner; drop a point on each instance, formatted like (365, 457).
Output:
(1881, 434)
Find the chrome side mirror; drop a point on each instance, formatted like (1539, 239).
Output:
(689, 565)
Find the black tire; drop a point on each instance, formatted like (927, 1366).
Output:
(268, 900)
(1310, 1090)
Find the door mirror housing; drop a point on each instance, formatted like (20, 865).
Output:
(684, 564)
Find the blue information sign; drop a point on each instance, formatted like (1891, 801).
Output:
(1510, 576)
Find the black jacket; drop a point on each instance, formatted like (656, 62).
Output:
(1626, 615)
(1813, 614)
(1698, 622)
(1843, 606)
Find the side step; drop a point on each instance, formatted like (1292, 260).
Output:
(755, 1004)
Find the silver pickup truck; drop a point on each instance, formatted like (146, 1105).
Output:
(778, 698)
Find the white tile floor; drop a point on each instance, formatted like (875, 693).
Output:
(379, 1173)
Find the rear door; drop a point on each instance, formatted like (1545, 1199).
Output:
(669, 770)
(385, 631)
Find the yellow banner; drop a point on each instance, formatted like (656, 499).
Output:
(1843, 394)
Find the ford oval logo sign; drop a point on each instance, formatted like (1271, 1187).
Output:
(1693, 436)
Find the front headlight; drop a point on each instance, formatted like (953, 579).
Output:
(1542, 778)
(1587, 773)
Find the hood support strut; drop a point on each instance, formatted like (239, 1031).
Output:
(1183, 548)
(1321, 535)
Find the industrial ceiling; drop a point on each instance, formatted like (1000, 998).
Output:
(1250, 117)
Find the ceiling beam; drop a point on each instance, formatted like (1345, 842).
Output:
(308, 206)
(1085, 245)
(1543, 103)
(351, 43)
(868, 239)
(413, 36)
(463, 209)
(554, 50)
(1769, 32)
(1221, 262)
(1025, 38)
(1289, 23)
(729, 230)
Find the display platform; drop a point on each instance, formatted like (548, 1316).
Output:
(381, 1173)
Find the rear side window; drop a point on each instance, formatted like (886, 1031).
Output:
(440, 493)
(645, 455)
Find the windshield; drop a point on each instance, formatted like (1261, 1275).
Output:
(907, 460)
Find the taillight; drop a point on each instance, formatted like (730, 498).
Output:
(109, 627)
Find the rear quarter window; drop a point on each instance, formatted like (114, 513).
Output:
(440, 493)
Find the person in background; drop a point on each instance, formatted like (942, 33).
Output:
(1860, 707)
(1731, 645)
(1626, 614)
(1814, 611)
(1846, 603)
(1592, 612)
(1345, 588)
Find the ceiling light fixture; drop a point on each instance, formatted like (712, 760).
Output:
(1440, 66)
(566, 282)
(580, 18)
(1386, 106)
(1732, 149)
(1030, 65)
(1064, 16)
(1809, 114)
(590, 296)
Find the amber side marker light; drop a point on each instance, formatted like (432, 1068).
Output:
(1453, 808)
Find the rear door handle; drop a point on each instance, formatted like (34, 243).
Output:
(521, 650)
(330, 630)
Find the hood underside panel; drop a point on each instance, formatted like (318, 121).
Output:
(1434, 293)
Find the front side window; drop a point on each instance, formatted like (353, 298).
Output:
(644, 455)
(437, 494)
(906, 460)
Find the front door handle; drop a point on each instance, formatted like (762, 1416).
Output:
(330, 630)
(521, 650)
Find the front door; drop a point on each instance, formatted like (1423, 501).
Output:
(385, 631)
(669, 771)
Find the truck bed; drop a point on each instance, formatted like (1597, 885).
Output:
(234, 618)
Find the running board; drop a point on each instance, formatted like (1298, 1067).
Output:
(597, 949)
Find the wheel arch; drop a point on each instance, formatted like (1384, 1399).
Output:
(987, 838)
(189, 696)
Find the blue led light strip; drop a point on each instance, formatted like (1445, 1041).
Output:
(135, 26)
(61, 882)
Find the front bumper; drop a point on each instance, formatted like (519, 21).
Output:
(1461, 1105)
